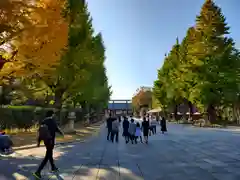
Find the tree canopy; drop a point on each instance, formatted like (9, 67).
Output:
(142, 99)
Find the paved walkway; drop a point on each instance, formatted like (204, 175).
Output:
(183, 153)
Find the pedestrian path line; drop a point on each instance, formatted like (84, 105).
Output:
(101, 159)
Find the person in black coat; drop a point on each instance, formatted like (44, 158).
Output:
(145, 129)
(125, 129)
(109, 126)
(163, 125)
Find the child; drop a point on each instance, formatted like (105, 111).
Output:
(138, 133)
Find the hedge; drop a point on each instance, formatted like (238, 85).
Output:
(25, 117)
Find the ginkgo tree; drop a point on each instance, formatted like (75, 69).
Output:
(38, 39)
(81, 67)
(14, 19)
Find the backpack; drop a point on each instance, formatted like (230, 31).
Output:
(115, 125)
(43, 133)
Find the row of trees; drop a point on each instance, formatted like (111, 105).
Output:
(50, 54)
(203, 70)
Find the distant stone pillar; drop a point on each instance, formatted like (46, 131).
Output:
(70, 125)
(106, 113)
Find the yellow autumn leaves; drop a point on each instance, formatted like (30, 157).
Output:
(40, 35)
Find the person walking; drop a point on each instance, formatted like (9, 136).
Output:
(132, 130)
(145, 128)
(163, 125)
(154, 124)
(115, 130)
(138, 133)
(47, 132)
(125, 129)
(109, 126)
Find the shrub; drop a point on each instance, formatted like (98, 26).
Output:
(25, 117)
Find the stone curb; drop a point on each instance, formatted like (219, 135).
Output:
(62, 143)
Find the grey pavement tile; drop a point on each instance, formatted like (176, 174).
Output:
(235, 164)
(198, 172)
(215, 162)
(224, 176)
(233, 170)
(227, 159)
(87, 172)
(130, 173)
(108, 172)
(129, 169)
(217, 169)
(110, 161)
(177, 176)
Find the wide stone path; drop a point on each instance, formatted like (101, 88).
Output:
(183, 153)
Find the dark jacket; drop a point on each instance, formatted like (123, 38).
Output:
(109, 123)
(163, 124)
(52, 127)
(145, 125)
(125, 125)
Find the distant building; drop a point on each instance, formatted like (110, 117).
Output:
(120, 106)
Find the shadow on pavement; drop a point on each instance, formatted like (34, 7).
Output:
(96, 159)
(72, 164)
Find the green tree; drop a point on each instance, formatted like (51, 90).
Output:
(97, 92)
(168, 87)
(204, 69)
(186, 78)
(208, 53)
(74, 69)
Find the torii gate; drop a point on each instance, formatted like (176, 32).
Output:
(120, 107)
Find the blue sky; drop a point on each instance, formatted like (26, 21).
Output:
(137, 34)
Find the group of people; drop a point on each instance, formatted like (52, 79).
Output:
(133, 131)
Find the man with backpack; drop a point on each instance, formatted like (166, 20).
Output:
(46, 133)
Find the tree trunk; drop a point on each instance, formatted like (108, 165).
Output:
(211, 113)
(74, 104)
(58, 106)
(184, 111)
(58, 99)
(190, 106)
(165, 114)
(175, 113)
(236, 113)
